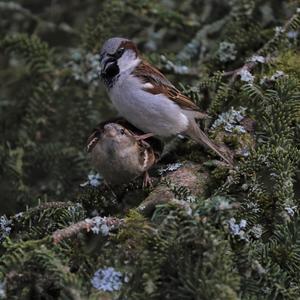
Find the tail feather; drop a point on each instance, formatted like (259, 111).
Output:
(200, 137)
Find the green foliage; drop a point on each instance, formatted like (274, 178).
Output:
(185, 257)
(50, 278)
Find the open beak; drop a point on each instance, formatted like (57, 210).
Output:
(110, 131)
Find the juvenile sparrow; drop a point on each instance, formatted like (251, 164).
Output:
(146, 98)
(121, 153)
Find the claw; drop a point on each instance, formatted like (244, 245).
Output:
(147, 181)
(109, 187)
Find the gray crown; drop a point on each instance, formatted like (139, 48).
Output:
(111, 45)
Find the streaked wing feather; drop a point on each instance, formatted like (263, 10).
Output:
(147, 156)
(161, 85)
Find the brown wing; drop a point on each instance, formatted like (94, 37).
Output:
(161, 85)
(147, 156)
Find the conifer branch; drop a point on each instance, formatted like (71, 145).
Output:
(93, 224)
(268, 48)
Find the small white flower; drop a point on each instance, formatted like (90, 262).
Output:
(257, 231)
(176, 68)
(5, 227)
(278, 30)
(240, 129)
(191, 199)
(258, 58)
(243, 223)
(169, 168)
(99, 225)
(107, 280)
(246, 75)
(291, 210)
(228, 127)
(2, 290)
(263, 80)
(224, 205)
(181, 69)
(234, 228)
(227, 52)
(292, 34)
(19, 215)
(277, 74)
(244, 152)
(93, 180)
(237, 229)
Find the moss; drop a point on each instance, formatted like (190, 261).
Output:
(288, 62)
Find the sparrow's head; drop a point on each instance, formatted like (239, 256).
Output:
(111, 136)
(116, 56)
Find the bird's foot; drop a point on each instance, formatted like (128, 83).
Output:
(143, 136)
(147, 181)
(110, 188)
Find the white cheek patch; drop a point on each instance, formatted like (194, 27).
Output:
(128, 61)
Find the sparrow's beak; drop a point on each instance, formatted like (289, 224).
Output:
(110, 131)
(106, 63)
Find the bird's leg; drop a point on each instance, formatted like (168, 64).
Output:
(109, 187)
(143, 136)
(147, 181)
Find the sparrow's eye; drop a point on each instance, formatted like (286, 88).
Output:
(122, 131)
(119, 52)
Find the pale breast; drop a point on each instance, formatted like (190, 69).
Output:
(148, 112)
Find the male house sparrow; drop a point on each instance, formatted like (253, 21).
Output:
(121, 153)
(146, 98)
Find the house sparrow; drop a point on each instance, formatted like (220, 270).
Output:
(146, 98)
(121, 152)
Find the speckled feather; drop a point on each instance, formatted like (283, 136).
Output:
(121, 161)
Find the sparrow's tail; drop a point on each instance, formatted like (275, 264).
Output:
(199, 136)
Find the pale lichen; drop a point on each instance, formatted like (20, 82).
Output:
(5, 227)
(107, 280)
(230, 120)
(227, 52)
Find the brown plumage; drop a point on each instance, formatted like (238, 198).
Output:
(147, 99)
(121, 152)
(161, 85)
